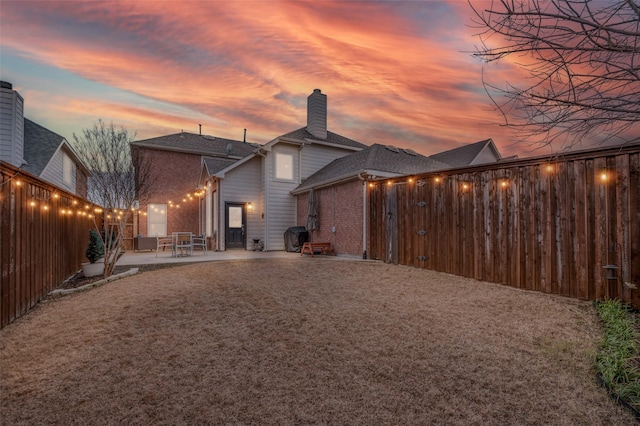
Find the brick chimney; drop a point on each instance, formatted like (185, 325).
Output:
(317, 114)
(11, 125)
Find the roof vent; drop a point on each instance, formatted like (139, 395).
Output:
(392, 148)
(410, 152)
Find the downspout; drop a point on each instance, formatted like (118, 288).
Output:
(218, 190)
(265, 207)
(364, 215)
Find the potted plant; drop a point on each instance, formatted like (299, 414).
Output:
(94, 252)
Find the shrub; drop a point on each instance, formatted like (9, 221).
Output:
(617, 361)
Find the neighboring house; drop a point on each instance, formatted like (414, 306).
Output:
(470, 155)
(37, 150)
(251, 200)
(174, 203)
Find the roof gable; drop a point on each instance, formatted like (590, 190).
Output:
(469, 154)
(303, 134)
(214, 165)
(41, 144)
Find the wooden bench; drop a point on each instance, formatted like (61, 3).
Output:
(320, 247)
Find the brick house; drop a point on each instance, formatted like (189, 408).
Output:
(175, 202)
(250, 193)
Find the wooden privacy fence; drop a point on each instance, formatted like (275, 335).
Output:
(550, 224)
(43, 236)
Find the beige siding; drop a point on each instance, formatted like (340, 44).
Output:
(281, 206)
(315, 157)
(242, 185)
(54, 172)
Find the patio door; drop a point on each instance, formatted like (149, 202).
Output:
(235, 219)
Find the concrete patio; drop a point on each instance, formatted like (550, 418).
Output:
(149, 257)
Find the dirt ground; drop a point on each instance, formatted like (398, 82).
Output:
(304, 341)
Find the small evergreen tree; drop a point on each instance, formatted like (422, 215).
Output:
(95, 248)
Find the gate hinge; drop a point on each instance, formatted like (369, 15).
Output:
(422, 232)
(422, 203)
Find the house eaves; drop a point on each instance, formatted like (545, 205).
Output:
(333, 145)
(378, 174)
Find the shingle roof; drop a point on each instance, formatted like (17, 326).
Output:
(39, 146)
(462, 156)
(333, 138)
(373, 158)
(199, 144)
(214, 165)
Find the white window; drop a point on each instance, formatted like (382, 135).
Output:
(284, 166)
(67, 169)
(157, 215)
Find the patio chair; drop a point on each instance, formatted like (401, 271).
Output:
(164, 242)
(200, 241)
(183, 243)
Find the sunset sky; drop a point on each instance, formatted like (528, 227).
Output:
(395, 72)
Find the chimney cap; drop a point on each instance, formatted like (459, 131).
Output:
(317, 91)
(6, 85)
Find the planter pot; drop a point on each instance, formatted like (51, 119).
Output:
(93, 269)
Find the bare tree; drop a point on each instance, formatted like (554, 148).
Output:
(583, 57)
(120, 181)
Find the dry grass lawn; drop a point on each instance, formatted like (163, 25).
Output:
(303, 341)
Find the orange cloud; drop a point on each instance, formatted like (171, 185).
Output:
(394, 72)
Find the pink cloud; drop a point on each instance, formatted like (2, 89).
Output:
(231, 62)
